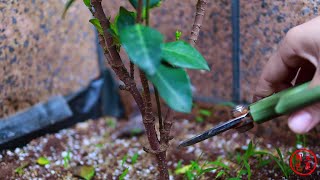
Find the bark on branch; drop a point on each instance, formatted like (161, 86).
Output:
(200, 10)
(145, 106)
(112, 55)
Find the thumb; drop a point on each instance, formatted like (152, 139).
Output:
(304, 120)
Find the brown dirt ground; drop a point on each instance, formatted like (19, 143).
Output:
(91, 143)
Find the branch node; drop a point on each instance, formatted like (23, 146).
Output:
(124, 87)
(163, 148)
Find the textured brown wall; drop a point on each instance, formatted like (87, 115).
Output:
(263, 24)
(41, 54)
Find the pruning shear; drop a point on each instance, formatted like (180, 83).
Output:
(281, 103)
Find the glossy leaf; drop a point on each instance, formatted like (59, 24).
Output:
(205, 112)
(183, 169)
(43, 161)
(174, 87)
(134, 158)
(87, 172)
(123, 174)
(183, 55)
(67, 7)
(125, 19)
(247, 166)
(143, 45)
(152, 3)
(97, 24)
(87, 3)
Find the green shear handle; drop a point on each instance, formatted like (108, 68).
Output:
(284, 102)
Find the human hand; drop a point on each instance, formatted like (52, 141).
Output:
(296, 60)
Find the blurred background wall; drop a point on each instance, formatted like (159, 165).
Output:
(42, 55)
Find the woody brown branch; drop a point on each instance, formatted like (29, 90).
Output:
(200, 10)
(145, 107)
(113, 57)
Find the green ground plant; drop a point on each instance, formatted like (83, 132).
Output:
(195, 170)
(133, 160)
(252, 152)
(66, 159)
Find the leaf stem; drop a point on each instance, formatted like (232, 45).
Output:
(147, 12)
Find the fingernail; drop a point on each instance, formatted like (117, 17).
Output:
(300, 122)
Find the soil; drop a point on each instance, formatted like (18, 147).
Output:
(92, 143)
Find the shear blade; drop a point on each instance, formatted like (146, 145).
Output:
(214, 131)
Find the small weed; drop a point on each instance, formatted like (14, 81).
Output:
(202, 114)
(86, 172)
(134, 158)
(99, 145)
(135, 131)
(123, 174)
(205, 112)
(178, 35)
(66, 159)
(111, 122)
(195, 171)
(43, 161)
(199, 119)
(301, 140)
(20, 170)
(124, 159)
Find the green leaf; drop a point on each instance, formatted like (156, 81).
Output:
(179, 165)
(246, 164)
(280, 154)
(219, 164)
(199, 119)
(234, 178)
(183, 169)
(178, 35)
(249, 151)
(220, 174)
(203, 171)
(190, 175)
(66, 159)
(124, 173)
(135, 131)
(174, 87)
(66, 7)
(43, 161)
(87, 3)
(20, 170)
(134, 158)
(124, 159)
(152, 3)
(125, 19)
(264, 163)
(111, 122)
(97, 24)
(183, 55)
(143, 45)
(205, 112)
(87, 172)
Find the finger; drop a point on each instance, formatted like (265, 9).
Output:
(307, 118)
(283, 65)
(304, 120)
